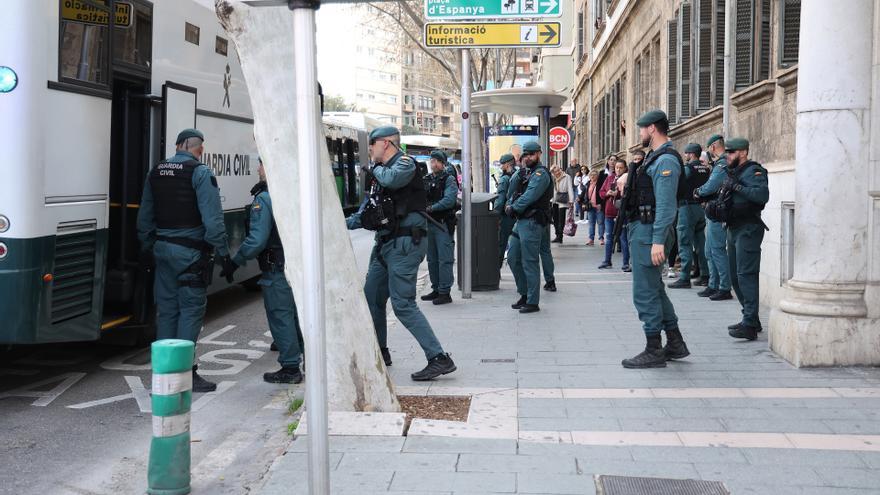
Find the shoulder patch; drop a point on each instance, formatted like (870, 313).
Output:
(757, 173)
(257, 206)
(538, 174)
(666, 173)
(213, 181)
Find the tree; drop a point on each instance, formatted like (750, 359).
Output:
(263, 37)
(338, 104)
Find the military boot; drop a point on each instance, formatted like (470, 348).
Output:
(443, 299)
(744, 332)
(273, 346)
(702, 282)
(721, 295)
(287, 374)
(438, 365)
(519, 304)
(529, 308)
(738, 325)
(652, 357)
(430, 297)
(707, 292)
(200, 384)
(550, 286)
(680, 284)
(386, 356)
(675, 347)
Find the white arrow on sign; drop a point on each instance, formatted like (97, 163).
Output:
(550, 6)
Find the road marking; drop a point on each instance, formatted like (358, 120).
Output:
(223, 456)
(45, 397)
(138, 392)
(118, 363)
(258, 344)
(210, 338)
(235, 365)
(208, 397)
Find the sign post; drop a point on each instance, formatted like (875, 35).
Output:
(491, 9)
(466, 220)
(492, 34)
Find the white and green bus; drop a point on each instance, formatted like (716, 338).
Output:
(92, 94)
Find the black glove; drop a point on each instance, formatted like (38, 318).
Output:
(147, 261)
(228, 269)
(730, 184)
(508, 210)
(697, 194)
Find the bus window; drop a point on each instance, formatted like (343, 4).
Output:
(350, 172)
(133, 44)
(84, 54)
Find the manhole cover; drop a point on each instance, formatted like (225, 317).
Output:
(627, 485)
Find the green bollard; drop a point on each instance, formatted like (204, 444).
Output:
(169, 466)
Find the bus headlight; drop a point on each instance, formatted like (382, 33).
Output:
(8, 79)
(4, 224)
(3, 251)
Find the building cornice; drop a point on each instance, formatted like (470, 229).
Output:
(754, 95)
(709, 118)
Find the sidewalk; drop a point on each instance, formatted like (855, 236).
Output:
(552, 407)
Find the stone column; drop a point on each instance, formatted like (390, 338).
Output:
(823, 319)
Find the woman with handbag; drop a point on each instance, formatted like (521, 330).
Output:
(563, 197)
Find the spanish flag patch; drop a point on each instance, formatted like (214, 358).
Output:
(758, 173)
(257, 206)
(666, 173)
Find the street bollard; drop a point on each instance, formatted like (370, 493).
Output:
(169, 465)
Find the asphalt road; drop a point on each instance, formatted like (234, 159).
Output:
(75, 418)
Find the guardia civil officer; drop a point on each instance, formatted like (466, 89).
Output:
(180, 226)
(442, 193)
(508, 163)
(547, 265)
(716, 236)
(530, 205)
(691, 224)
(650, 204)
(263, 242)
(395, 209)
(745, 232)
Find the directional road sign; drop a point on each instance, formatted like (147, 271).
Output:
(491, 9)
(491, 34)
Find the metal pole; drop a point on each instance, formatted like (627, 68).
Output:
(729, 40)
(311, 306)
(466, 262)
(545, 132)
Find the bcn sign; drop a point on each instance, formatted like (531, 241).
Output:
(560, 139)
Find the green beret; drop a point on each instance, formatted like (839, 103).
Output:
(189, 133)
(713, 138)
(737, 144)
(531, 147)
(439, 155)
(651, 117)
(507, 157)
(383, 132)
(693, 148)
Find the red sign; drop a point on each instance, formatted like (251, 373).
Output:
(560, 139)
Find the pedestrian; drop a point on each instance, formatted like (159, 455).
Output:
(395, 209)
(618, 202)
(508, 162)
(691, 223)
(747, 180)
(573, 168)
(603, 175)
(263, 242)
(576, 186)
(563, 197)
(592, 202)
(516, 151)
(650, 207)
(442, 190)
(180, 227)
(611, 194)
(530, 204)
(718, 288)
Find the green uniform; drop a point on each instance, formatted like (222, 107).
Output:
(716, 236)
(394, 264)
(691, 227)
(547, 265)
(528, 233)
(745, 232)
(181, 294)
(441, 244)
(507, 223)
(263, 242)
(649, 294)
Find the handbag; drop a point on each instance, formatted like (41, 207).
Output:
(561, 198)
(570, 226)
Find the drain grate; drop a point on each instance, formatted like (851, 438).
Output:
(497, 360)
(627, 485)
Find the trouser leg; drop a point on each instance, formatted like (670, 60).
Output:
(376, 292)
(281, 315)
(546, 255)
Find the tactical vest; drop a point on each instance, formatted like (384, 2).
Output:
(687, 185)
(175, 202)
(387, 207)
(540, 209)
(436, 188)
(640, 201)
(748, 212)
(273, 255)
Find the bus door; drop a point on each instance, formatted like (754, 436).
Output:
(351, 180)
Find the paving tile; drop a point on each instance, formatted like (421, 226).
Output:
(495, 463)
(353, 444)
(565, 484)
(760, 475)
(803, 457)
(459, 445)
(398, 461)
(455, 482)
(579, 451)
(656, 469)
(688, 454)
(775, 425)
(671, 424)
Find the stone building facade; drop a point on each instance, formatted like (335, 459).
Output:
(820, 262)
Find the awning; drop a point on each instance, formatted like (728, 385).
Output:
(518, 101)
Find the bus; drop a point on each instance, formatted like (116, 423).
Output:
(93, 94)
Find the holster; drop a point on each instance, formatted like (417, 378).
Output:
(203, 269)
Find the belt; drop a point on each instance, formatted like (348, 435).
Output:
(397, 235)
(187, 242)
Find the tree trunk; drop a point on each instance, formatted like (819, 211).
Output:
(263, 37)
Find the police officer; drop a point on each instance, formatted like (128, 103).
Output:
(395, 208)
(716, 237)
(691, 224)
(547, 265)
(442, 193)
(530, 204)
(650, 204)
(508, 163)
(263, 242)
(180, 226)
(745, 232)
